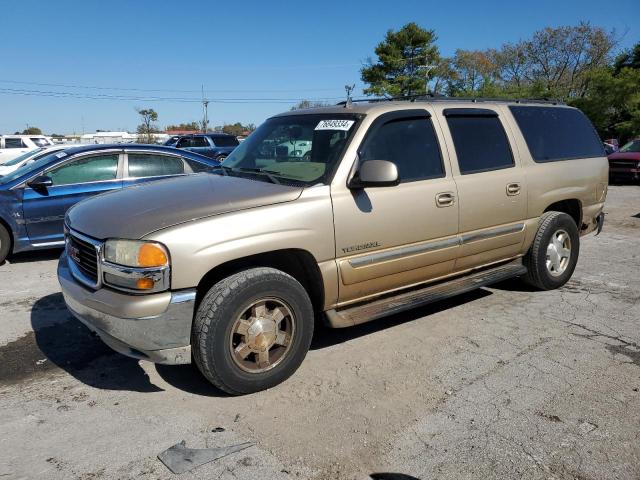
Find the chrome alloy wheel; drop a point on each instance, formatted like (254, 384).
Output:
(558, 253)
(261, 336)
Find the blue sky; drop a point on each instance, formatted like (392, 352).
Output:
(274, 50)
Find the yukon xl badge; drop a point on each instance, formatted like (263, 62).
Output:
(362, 246)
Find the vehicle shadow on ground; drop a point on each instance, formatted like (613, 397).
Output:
(514, 285)
(68, 344)
(34, 256)
(189, 379)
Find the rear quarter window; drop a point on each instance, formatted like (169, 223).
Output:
(225, 141)
(556, 133)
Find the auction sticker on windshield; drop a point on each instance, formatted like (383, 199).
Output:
(335, 124)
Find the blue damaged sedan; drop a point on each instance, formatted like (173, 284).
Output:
(35, 198)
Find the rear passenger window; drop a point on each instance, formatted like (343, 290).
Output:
(480, 142)
(154, 165)
(557, 133)
(199, 142)
(411, 144)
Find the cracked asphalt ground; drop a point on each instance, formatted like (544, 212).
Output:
(503, 382)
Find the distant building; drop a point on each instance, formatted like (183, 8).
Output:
(117, 137)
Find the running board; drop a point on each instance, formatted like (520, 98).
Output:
(382, 307)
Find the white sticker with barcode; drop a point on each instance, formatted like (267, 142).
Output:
(335, 124)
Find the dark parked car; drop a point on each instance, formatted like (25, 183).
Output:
(35, 198)
(212, 145)
(625, 163)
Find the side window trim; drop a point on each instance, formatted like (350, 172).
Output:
(397, 115)
(478, 113)
(127, 174)
(82, 157)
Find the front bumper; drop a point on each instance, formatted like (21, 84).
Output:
(155, 327)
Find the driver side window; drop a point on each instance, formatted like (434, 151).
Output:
(411, 144)
(96, 168)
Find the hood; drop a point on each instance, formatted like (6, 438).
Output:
(624, 156)
(140, 210)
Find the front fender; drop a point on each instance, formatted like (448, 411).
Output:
(198, 247)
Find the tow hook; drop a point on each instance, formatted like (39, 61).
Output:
(599, 223)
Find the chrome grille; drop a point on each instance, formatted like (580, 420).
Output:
(84, 253)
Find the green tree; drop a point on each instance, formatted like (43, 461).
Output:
(195, 126)
(612, 99)
(628, 59)
(237, 128)
(146, 129)
(402, 58)
(32, 131)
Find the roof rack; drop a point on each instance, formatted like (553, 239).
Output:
(435, 98)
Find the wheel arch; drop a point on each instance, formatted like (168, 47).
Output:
(12, 240)
(298, 263)
(570, 206)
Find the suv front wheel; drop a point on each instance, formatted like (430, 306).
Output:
(553, 255)
(252, 330)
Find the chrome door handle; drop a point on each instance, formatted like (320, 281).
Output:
(445, 199)
(513, 189)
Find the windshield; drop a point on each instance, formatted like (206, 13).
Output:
(631, 147)
(294, 149)
(41, 142)
(32, 166)
(23, 157)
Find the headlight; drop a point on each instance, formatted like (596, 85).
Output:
(135, 253)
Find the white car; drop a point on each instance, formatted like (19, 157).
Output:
(30, 156)
(12, 146)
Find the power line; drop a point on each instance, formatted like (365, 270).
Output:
(130, 89)
(97, 96)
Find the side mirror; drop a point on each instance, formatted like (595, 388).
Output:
(375, 173)
(41, 182)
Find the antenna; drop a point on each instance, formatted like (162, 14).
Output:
(205, 111)
(349, 89)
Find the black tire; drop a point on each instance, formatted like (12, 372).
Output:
(538, 274)
(224, 303)
(5, 243)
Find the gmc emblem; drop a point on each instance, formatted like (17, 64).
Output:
(73, 252)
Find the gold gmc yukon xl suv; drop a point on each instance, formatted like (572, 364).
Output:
(347, 214)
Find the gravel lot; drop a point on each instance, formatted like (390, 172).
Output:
(503, 382)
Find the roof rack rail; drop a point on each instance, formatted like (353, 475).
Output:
(435, 98)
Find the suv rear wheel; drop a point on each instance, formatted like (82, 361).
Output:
(553, 255)
(252, 330)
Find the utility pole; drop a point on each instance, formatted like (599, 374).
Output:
(427, 69)
(205, 111)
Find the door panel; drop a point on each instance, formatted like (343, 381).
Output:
(393, 237)
(44, 209)
(491, 188)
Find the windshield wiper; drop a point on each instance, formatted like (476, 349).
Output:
(258, 170)
(224, 168)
